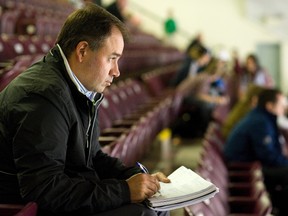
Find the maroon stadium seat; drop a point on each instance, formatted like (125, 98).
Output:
(30, 209)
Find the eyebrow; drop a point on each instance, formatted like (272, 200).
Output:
(116, 54)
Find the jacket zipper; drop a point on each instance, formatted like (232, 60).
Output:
(92, 119)
(7, 173)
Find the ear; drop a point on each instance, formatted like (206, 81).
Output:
(81, 50)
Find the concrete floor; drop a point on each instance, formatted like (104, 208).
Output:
(168, 156)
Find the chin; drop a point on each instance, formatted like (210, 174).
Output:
(100, 90)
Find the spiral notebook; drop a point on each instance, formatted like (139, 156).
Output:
(186, 188)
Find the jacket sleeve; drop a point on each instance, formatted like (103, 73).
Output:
(109, 167)
(40, 146)
(266, 145)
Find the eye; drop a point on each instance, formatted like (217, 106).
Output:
(112, 58)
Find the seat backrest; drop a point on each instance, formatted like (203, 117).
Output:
(105, 120)
(9, 76)
(216, 206)
(8, 21)
(30, 209)
(263, 206)
(110, 105)
(154, 82)
(10, 209)
(199, 209)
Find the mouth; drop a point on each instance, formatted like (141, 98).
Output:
(108, 83)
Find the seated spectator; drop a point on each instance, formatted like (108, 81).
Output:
(197, 59)
(49, 130)
(119, 9)
(256, 138)
(253, 72)
(243, 106)
(233, 79)
(197, 41)
(199, 100)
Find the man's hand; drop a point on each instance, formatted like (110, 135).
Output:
(161, 177)
(143, 186)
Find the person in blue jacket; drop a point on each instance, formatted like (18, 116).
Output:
(256, 138)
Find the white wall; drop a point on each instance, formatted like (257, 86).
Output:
(284, 67)
(222, 23)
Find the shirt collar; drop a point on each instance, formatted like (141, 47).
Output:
(89, 94)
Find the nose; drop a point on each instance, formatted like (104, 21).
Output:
(115, 72)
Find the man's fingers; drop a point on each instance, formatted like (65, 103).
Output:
(161, 177)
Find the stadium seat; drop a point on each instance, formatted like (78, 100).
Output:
(30, 209)
(8, 21)
(9, 76)
(112, 146)
(199, 209)
(241, 185)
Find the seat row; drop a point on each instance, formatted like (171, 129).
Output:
(30, 209)
(241, 185)
(22, 18)
(13, 46)
(13, 69)
(138, 58)
(130, 118)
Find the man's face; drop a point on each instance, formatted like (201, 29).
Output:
(279, 107)
(99, 67)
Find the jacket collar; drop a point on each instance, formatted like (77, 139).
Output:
(58, 55)
(270, 115)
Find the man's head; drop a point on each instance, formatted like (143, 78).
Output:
(92, 24)
(93, 40)
(273, 101)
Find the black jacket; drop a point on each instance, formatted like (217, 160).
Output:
(48, 154)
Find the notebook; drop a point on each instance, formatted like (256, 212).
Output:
(186, 188)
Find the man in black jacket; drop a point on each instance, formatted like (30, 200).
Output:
(49, 150)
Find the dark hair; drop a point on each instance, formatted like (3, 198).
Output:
(197, 51)
(266, 96)
(254, 58)
(92, 24)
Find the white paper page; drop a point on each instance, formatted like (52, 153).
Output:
(184, 182)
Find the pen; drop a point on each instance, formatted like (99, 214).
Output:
(143, 168)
